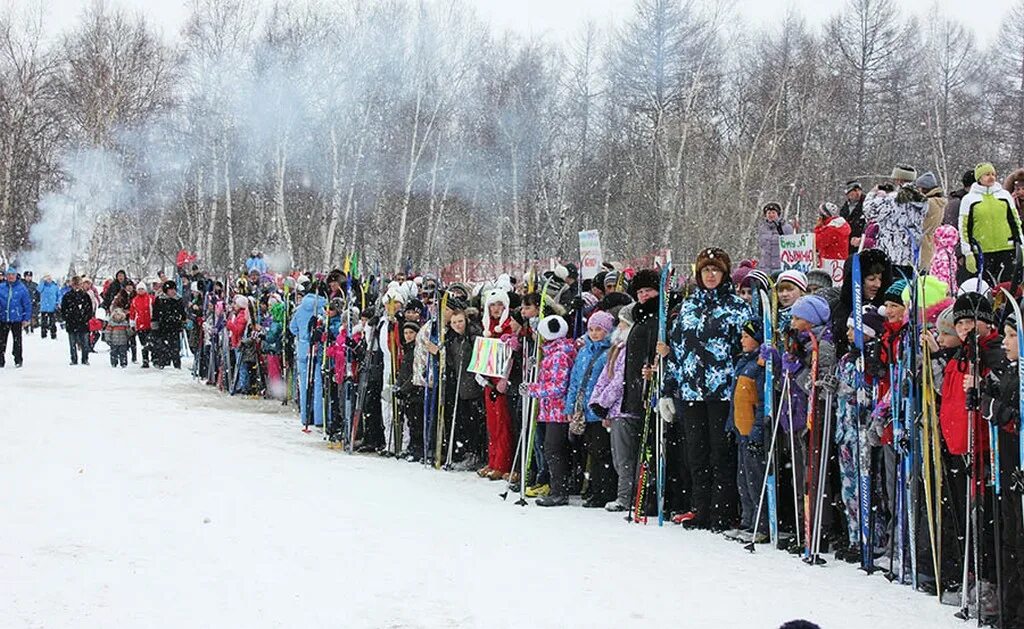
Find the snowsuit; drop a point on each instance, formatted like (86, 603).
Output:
(550, 389)
(15, 311)
(311, 307)
(705, 341)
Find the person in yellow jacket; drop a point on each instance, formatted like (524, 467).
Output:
(989, 222)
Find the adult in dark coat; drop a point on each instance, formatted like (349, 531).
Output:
(168, 321)
(76, 309)
(853, 212)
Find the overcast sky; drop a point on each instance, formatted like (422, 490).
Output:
(562, 18)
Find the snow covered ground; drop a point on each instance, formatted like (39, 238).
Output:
(140, 498)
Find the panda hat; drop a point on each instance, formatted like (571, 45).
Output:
(553, 327)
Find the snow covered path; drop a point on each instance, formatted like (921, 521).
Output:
(139, 498)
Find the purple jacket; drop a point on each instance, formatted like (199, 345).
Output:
(609, 388)
(551, 386)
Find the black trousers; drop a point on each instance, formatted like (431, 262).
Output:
(48, 324)
(678, 485)
(712, 458)
(412, 412)
(14, 327)
(556, 454)
(603, 479)
(371, 421)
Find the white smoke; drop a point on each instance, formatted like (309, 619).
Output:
(68, 218)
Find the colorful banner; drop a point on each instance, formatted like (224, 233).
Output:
(490, 357)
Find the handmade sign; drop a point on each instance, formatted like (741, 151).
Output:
(590, 254)
(834, 268)
(796, 251)
(490, 357)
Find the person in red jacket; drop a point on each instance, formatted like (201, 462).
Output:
(975, 326)
(237, 326)
(140, 318)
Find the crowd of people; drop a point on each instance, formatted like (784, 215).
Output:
(886, 405)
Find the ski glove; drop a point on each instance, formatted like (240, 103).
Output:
(790, 363)
(769, 353)
(599, 410)
(667, 409)
(481, 380)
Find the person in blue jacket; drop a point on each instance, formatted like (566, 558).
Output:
(15, 314)
(256, 262)
(302, 325)
(590, 361)
(49, 297)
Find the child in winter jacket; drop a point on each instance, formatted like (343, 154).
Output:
(590, 362)
(790, 286)
(1000, 407)
(550, 389)
(117, 336)
(606, 402)
(747, 422)
(851, 428)
(273, 336)
(410, 396)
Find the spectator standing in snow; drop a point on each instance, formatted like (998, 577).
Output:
(49, 297)
(928, 185)
(988, 221)
(853, 212)
(768, 232)
(77, 309)
(15, 314)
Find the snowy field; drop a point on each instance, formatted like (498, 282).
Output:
(139, 498)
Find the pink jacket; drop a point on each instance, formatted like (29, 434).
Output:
(550, 388)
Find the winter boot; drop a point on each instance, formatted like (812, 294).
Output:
(538, 490)
(552, 501)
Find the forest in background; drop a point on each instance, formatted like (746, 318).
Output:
(412, 133)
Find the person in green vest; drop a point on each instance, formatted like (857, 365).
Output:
(989, 224)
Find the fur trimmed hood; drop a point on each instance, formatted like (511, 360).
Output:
(1017, 175)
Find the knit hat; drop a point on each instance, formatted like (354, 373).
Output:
(758, 280)
(771, 206)
(926, 182)
(828, 210)
(11, 271)
(872, 320)
(739, 276)
(414, 304)
(754, 330)
(983, 169)
(853, 185)
(411, 325)
(812, 309)
(972, 306)
(968, 179)
(794, 277)
(241, 301)
(553, 327)
(611, 278)
(277, 312)
(903, 173)
(946, 323)
(169, 285)
(818, 277)
(602, 320)
(894, 293)
(1011, 317)
(598, 280)
(645, 278)
(713, 256)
